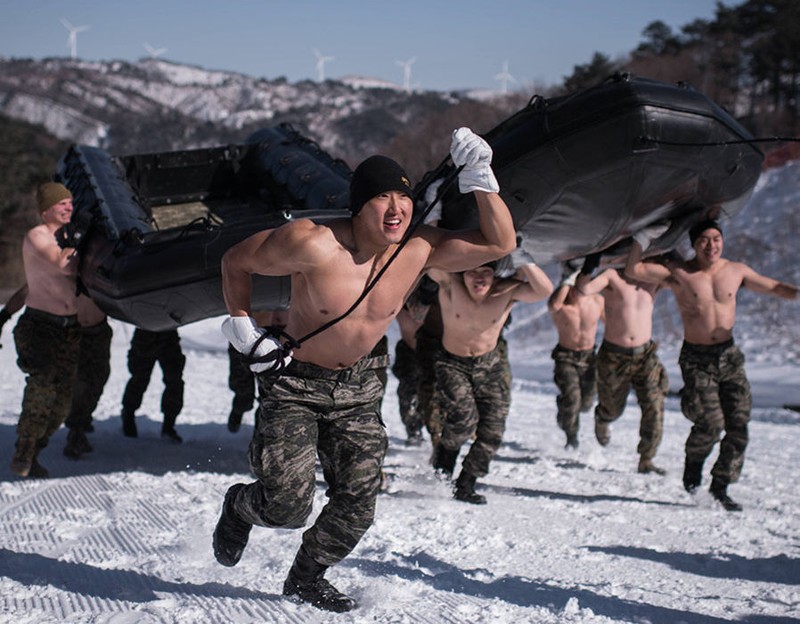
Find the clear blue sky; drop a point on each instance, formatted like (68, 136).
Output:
(457, 43)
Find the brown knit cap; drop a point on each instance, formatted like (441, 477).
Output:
(49, 194)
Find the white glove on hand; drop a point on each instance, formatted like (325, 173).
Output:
(569, 273)
(430, 194)
(471, 151)
(242, 332)
(648, 234)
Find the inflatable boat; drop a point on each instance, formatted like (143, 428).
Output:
(156, 225)
(583, 172)
(580, 173)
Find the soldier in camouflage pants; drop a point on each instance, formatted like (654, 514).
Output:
(575, 376)
(474, 397)
(715, 398)
(310, 410)
(47, 352)
(617, 369)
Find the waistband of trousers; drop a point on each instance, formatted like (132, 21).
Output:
(560, 347)
(715, 348)
(307, 369)
(473, 360)
(68, 320)
(610, 346)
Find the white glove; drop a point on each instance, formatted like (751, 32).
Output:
(569, 274)
(507, 265)
(648, 234)
(242, 332)
(430, 194)
(471, 151)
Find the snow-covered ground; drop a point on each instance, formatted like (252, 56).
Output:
(124, 535)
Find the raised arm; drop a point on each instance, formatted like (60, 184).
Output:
(536, 285)
(637, 268)
(766, 285)
(496, 237)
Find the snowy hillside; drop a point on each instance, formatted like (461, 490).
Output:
(124, 535)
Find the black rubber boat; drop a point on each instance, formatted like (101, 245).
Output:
(156, 225)
(582, 172)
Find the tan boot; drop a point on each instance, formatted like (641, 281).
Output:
(646, 466)
(23, 457)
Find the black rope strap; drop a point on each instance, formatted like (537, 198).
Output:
(647, 139)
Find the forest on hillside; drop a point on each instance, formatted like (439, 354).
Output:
(747, 59)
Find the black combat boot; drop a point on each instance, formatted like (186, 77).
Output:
(231, 533)
(465, 489)
(719, 491)
(692, 475)
(444, 460)
(77, 444)
(602, 431)
(305, 584)
(168, 430)
(129, 424)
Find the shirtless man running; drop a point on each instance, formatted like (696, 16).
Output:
(47, 334)
(716, 394)
(325, 398)
(576, 317)
(627, 357)
(472, 387)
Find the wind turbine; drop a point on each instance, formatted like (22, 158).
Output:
(153, 52)
(504, 78)
(321, 60)
(72, 39)
(406, 65)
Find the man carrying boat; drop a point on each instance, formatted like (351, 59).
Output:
(47, 334)
(324, 398)
(716, 394)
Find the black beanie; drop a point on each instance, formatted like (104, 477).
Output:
(376, 175)
(699, 228)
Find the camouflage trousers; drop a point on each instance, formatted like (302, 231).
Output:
(241, 380)
(619, 368)
(474, 398)
(47, 352)
(406, 370)
(94, 368)
(575, 376)
(147, 348)
(305, 412)
(716, 398)
(429, 351)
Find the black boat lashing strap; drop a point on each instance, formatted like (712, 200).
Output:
(277, 356)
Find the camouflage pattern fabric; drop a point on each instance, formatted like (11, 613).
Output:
(716, 398)
(617, 371)
(429, 350)
(241, 380)
(309, 411)
(47, 352)
(406, 370)
(575, 376)
(94, 368)
(147, 348)
(474, 398)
